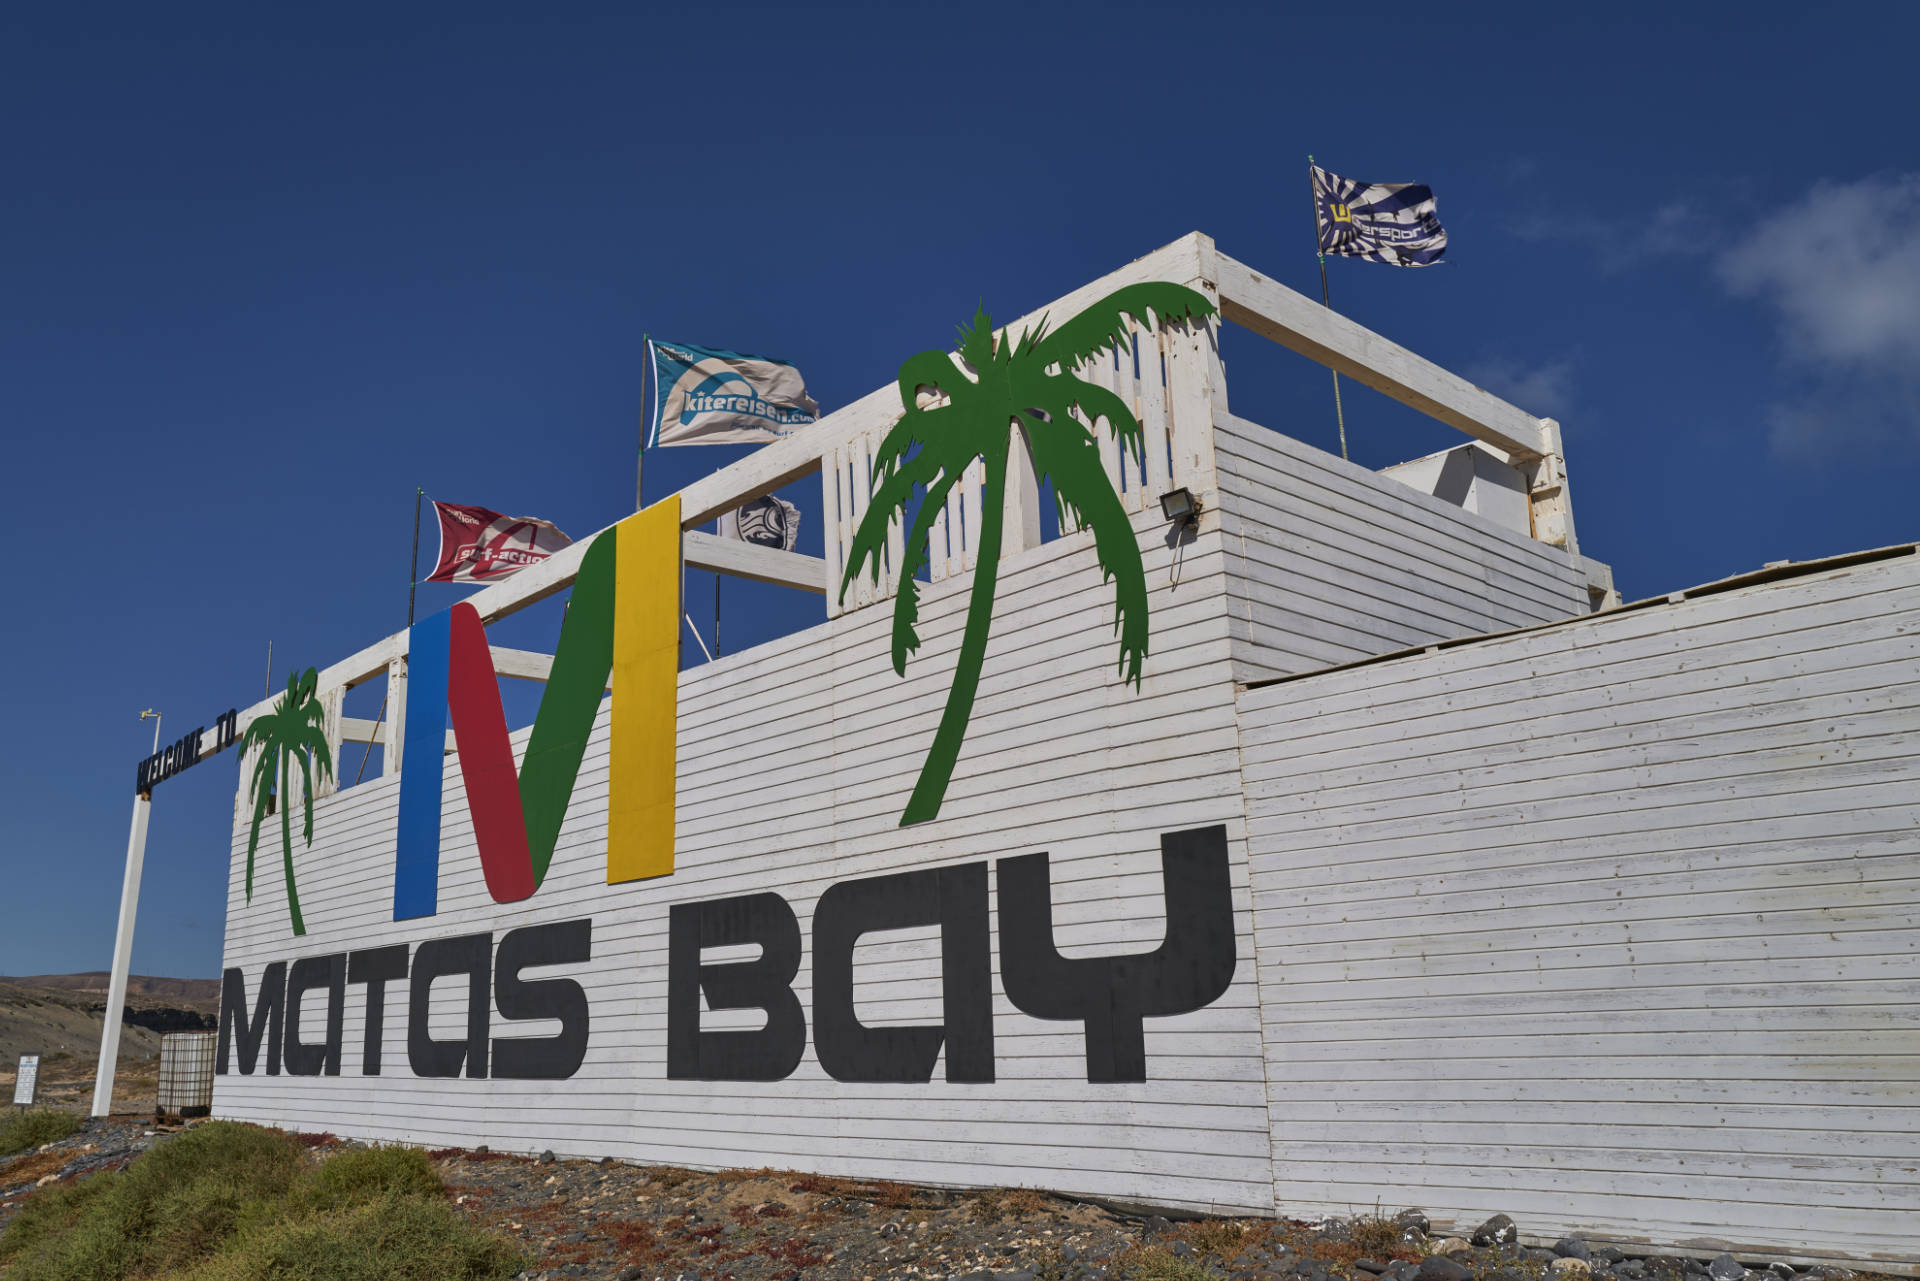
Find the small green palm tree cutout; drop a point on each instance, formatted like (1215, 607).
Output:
(294, 730)
(1007, 385)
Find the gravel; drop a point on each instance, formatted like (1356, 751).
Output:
(603, 1219)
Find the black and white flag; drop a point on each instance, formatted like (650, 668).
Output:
(1391, 222)
(769, 522)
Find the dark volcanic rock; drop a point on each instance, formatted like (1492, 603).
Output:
(1499, 1230)
(1439, 1267)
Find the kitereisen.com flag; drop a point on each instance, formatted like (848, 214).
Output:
(479, 545)
(709, 396)
(1391, 222)
(769, 522)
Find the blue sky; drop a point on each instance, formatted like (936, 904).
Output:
(265, 269)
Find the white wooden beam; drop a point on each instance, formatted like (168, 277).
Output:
(354, 729)
(750, 560)
(520, 664)
(1295, 321)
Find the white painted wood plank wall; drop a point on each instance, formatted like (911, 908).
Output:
(1612, 926)
(795, 759)
(1329, 562)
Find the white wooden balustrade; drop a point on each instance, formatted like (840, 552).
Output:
(1171, 378)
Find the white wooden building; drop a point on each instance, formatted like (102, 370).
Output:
(1603, 917)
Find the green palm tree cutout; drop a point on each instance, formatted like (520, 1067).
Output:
(1008, 384)
(294, 730)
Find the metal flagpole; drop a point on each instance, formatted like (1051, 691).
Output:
(1326, 300)
(413, 565)
(646, 424)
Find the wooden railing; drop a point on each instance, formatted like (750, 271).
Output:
(1172, 380)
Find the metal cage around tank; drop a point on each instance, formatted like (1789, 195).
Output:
(186, 1074)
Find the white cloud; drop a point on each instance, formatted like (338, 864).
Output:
(1842, 267)
(1545, 391)
(1674, 228)
(1829, 423)
(1840, 270)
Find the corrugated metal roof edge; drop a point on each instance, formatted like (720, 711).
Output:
(1754, 578)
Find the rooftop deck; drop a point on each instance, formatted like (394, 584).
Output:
(1329, 562)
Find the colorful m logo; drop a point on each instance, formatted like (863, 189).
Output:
(622, 625)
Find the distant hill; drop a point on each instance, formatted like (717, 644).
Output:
(193, 993)
(62, 1014)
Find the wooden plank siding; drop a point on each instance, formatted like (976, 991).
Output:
(794, 762)
(1606, 921)
(1613, 925)
(1329, 562)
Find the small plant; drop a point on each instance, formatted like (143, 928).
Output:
(995, 1204)
(30, 1130)
(1157, 1263)
(1223, 1237)
(1376, 1236)
(669, 1177)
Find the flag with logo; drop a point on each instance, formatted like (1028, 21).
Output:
(769, 522)
(479, 545)
(1391, 222)
(709, 396)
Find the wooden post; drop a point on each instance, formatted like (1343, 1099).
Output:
(830, 522)
(122, 958)
(396, 714)
(1196, 386)
(1549, 502)
(1020, 511)
(332, 704)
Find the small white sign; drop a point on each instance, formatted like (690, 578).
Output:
(28, 1078)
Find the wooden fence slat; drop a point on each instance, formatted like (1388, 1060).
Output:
(896, 533)
(830, 483)
(861, 479)
(970, 483)
(1150, 345)
(1193, 389)
(1099, 372)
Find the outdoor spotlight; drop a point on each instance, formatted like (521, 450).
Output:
(1180, 506)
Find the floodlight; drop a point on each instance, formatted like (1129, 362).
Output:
(1180, 506)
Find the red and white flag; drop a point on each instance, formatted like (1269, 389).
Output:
(481, 546)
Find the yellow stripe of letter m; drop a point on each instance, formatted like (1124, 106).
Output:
(646, 678)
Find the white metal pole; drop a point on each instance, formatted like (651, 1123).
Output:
(122, 958)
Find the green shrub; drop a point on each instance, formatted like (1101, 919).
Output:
(29, 1130)
(366, 1174)
(226, 1201)
(49, 1215)
(177, 1205)
(396, 1237)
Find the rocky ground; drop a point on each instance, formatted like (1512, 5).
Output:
(606, 1220)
